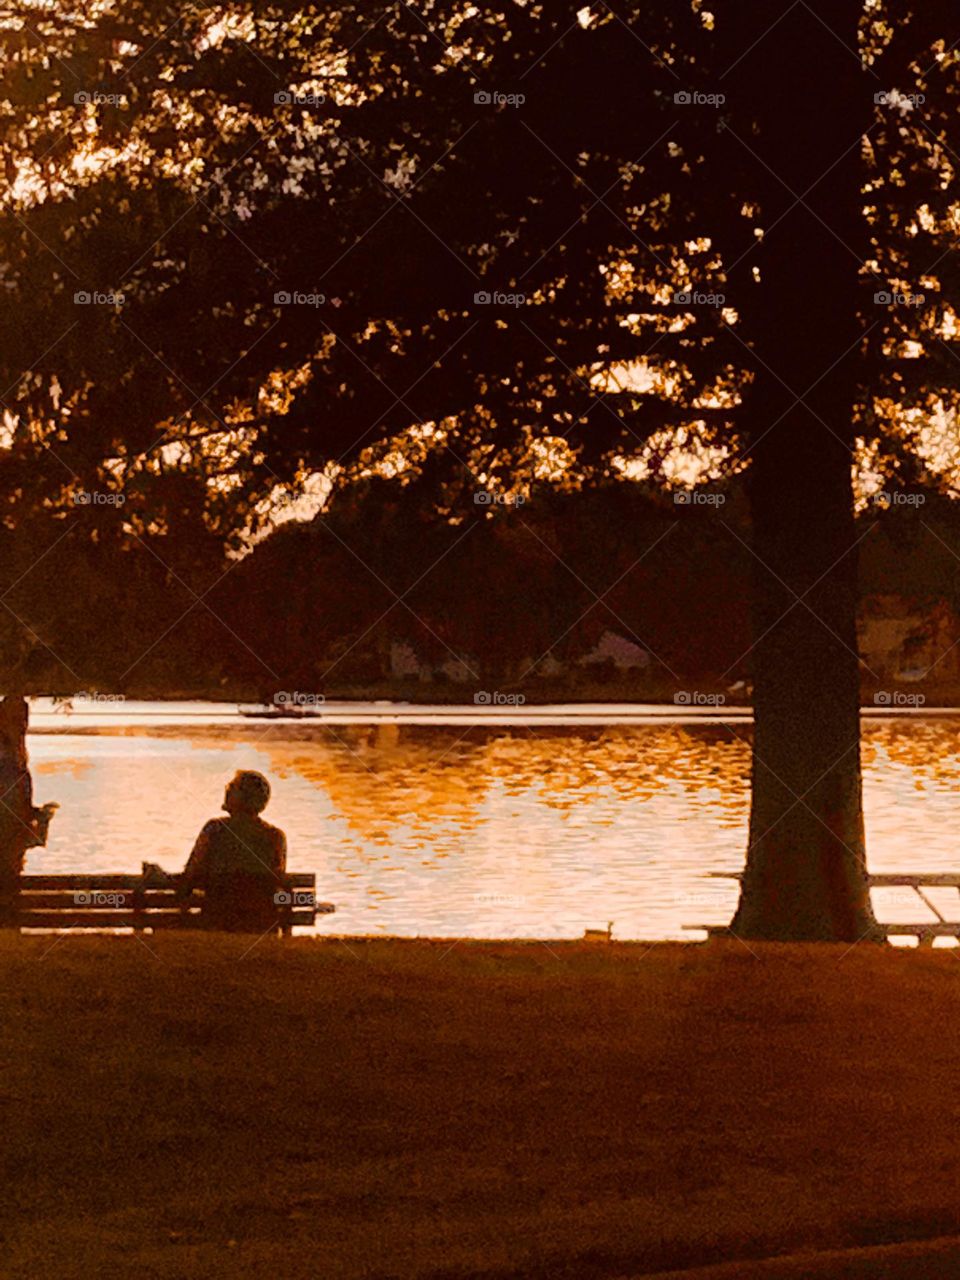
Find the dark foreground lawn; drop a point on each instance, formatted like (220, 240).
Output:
(408, 1109)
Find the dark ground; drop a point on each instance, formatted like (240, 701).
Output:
(415, 1109)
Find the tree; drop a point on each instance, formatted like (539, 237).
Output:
(805, 874)
(812, 394)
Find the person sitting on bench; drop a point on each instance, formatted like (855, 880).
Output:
(239, 862)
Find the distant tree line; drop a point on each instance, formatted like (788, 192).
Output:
(521, 592)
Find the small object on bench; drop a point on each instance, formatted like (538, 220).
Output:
(153, 876)
(599, 935)
(118, 901)
(40, 825)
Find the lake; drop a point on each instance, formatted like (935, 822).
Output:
(481, 822)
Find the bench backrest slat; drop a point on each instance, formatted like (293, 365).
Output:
(125, 880)
(118, 900)
(929, 880)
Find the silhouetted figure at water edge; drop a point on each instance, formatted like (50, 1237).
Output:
(22, 827)
(239, 862)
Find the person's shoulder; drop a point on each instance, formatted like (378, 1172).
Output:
(274, 834)
(213, 827)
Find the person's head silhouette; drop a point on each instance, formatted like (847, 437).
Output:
(247, 792)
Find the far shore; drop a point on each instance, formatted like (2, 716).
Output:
(56, 713)
(195, 1106)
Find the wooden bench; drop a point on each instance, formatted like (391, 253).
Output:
(924, 930)
(117, 901)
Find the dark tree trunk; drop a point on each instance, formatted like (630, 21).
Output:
(16, 804)
(810, 102)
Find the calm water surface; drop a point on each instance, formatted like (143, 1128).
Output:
(462, 826)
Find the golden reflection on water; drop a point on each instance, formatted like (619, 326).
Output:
(483, 831)
(377, 775)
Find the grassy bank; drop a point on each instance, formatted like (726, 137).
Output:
(400, 1109)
